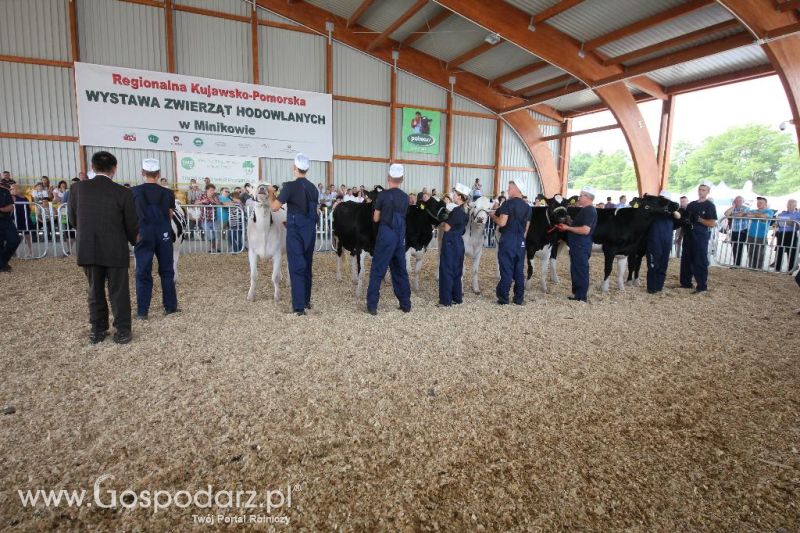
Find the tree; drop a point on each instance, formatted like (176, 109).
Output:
(607, 171)
(578, 164)
(751, 152)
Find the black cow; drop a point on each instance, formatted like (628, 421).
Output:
(355, 231)
(421, 220)
(542, 239)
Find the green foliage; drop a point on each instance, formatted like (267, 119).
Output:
(753, 152)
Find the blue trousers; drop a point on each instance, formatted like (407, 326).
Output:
(451, 268)
(390, 252)
(301, 233)
(579, 270)
(694, 261)
(511, 257)
(153, 243)
(9, 240)
(659, 245)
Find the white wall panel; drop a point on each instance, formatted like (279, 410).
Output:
(532, 182)
(303, 69)
(411, 155)
(122, 34)
(213, 48)
(359, 75)
(277, 171)
(473, 140)
(360, 129)
(354, 173)
(37, 99)
(129, 163)
(515, 152)
(30, 160)
(462, 104)
(35, 28)
(233, 7)
(419, 176)
(413, 90)
(467, 176)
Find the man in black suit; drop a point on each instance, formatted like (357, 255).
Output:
(104, 215)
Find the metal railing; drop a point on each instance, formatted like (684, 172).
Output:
(764, 244)
(39, 228)
(215, 229)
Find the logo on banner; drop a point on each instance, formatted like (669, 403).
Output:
(420, 139)
(129, 136)
(198, 141)
(249, 168)
(176, 141)
(187, 163)
(152, 138)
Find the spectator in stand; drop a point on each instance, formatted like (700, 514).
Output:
(207, 182)
(235, 222)
(609, 204)
(354, 195)
(223, 213)
(477, 191)
(434, 194)
(65, 197)
(246, 194)
(47, 187)
(787, 232)
(193, 193)
(320, 189)
(757, 233)
(163, 182)
(22, 216)
(342, 189)
(39, 193)
(42, 199)
(58, 192)
(623, 201)
(412, 199)
(208, 219)
(424, 194)
(7, 175)
(738, 227)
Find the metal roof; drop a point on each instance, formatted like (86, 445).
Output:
(574, 101)
(705, 67)
(451, 38)
(342, 8)
(382, 14)
(533, 78)
(502, 58)
(424, 15)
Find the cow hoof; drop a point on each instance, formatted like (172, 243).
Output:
(251, 297)
(476, 292)
(635, 283)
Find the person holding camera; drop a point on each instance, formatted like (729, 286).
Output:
(701, 217)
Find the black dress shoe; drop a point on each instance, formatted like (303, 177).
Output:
(123, 337)
(308, 306)
(97, 336)
(373, 312)
(170, 311)
(574, 299)
(699, 291)
(405, 309)
(5, 268)
(687, 286)
(501, 302)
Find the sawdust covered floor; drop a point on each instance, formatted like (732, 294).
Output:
(675, 412)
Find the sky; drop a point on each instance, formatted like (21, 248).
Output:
(698, 115)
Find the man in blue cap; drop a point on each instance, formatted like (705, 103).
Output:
(154, 205)
(580, 243)
(513, 218)
(390, 245)
(301, 198)
(701, 216)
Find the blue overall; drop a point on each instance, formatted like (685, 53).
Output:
(390, 249)
(9, 238)
(155, 231)
(511, 250)
(301, 234)
(659, 246)
(451, 259)
(580, 250)
(694, 261)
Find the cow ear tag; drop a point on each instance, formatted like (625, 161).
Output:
(572, 202)
(635, 205)
(422, 206)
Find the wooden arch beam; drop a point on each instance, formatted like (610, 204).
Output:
(428, 68)
(761, 18)
(561, 50)
(526, 127)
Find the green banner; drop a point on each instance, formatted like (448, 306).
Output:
(421, 131)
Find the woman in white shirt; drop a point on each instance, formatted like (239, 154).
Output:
(58, 192)
(476, 190)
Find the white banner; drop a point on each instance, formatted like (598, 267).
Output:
(130, 108)
(224, 170)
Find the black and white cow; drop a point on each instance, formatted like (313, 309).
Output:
(542, 239)
(420, 224)
(179, 228)
(355, 231)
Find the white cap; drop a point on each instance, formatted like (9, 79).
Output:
(588, 189)
(301, 162)
(520, 183)
(151, 165)
(463, 189)
(396, 171)
(707, 183)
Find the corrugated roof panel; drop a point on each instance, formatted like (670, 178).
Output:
(593, 18)
(705, 67)
(381, 15)
(502, 58)
(533, 7)
(574, 101)
(451, 38)
(425, 14)
(534, 78)
(671, 50)
(697, 20)
(342, 8)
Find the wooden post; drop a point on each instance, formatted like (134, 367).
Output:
(665, 140)
(254, 39)
(392, 113)
(448, 142)
(73, 33)
(563, 156)
(170, 29)
(498, 156)
(329, 90)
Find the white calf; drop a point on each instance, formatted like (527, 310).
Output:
(266, 237)
(179, 231)
(478, 212)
